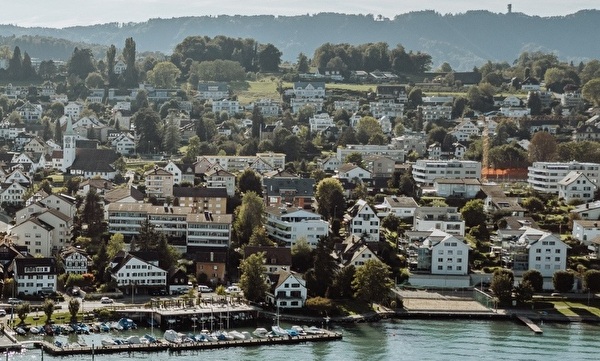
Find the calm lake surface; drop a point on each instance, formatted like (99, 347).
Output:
(394, 340)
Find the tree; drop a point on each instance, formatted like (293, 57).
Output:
(15, 65)
(248, 216)
(415, 97)
(22, 310)
(366, 128)
(301, 255)
(130, 75)
(147, 123)
(92, 215)
(534, 204)
(473, 213)
(48, 308)
(391, 222)
(591, 91)
(257, 122)
(524, 292)
(250, 181)
(148, 237)
(164, 75)
(330, 198)
(74, 308)
(81, 63)
(302, 65)
(111, 54)
(355, 158)
(535, 278)
(101, 261)
(563, 281)
(502, 285)
(534, 102)
(167, 254)
(116, 243)
(259, 238)
(372, 281)
(94, 80)
(269, 58)
(320, 277)
(252, 279)
(28, 71)
(172, 137)
(542, 148)
(217, 70)
(591, 280)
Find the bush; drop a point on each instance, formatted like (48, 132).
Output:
(320, 304)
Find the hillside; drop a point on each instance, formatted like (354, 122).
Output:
(463, 40)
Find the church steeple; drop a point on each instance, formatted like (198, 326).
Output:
(69, 150)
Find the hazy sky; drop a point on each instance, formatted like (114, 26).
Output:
(61, 13)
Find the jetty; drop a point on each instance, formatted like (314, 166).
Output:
(177, 347)
(535, 328)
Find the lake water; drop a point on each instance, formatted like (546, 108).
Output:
(397, 340)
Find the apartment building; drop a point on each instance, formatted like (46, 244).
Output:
(362, 221)
(286, 225)
(545, 176)
(446, 219)
(426, 171)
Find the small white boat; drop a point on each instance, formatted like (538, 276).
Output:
(247, 335)
(133, 340)
(237, 335)
(299, 330)
(20, 330)
(279, 331)
(312, 330)
(172, 336)
(108, 342)
(260, 332)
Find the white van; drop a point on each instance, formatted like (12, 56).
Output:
(204, 289)
(233, 289)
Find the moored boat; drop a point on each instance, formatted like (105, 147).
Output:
(260, 332)
(172, 336)
(277, 330)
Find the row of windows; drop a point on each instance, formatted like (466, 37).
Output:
(449, 268)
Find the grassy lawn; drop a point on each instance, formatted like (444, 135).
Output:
(264, 88)
(573, 308)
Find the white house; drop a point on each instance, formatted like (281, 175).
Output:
(34, 275)
(462, 187)
(352, 171)
(230, 107)
(403, 207)
(286, 225)
(588, 211)
(219, 178)
(544, 176)
(309, 90)
(426, 171)
(362, 220)
(446, 219)
(585, 231)
(75, 260)
(73, 110)
(12, 193)
(132, 272)
(320, 122)
(286, 290)
(443, 254)
(124, 144)
(539, 250)
(329, 164)
(576, 186)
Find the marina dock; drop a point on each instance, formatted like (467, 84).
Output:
(535, 328)
(177, 347)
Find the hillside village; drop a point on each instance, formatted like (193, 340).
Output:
(148, 188)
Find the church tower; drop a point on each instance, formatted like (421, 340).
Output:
(69, 138)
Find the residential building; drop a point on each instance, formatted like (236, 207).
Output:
(136, 275)
(212, 263)
(159, 183)
(329, 164)
(435, 112)
(213, 200)
(571, 99)
(585, 231)
(230, 107)
(298, 103)
(370, 150)
(261, 162)
(352, 172)
(276, 258)
(354, 251)
(446, 219)
(285, 225)
(35, 275)
(267, 107)
(386, 108)
(351, 106)
(362, 221)
(309, 90)
(397, 93)
(73, 110)
(75, 260)
(539, 250)
(283, 188)
(402, 207)
(416, 142)
(442, 253)
(30, 113)
(320, 122)
(544, 176)
(460, 188)
(208, 230)
(218, 178)
(426, 171)
(380, 166)
(497, 201)
(212, 91)
(515, 112)
(286, 290)
(588, 211)
(576, 186)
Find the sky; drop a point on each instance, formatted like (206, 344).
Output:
(63, 13)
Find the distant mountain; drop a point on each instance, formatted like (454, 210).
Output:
(463, 40)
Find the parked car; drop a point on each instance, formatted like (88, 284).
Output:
(2, 312)
(14, 301)
(204, 289)
(233, 289)
(106, 300)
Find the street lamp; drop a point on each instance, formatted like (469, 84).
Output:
(194, 319)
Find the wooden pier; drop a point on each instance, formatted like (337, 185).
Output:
(176, 347)
(535, 328)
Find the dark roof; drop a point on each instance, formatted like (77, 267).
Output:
(210, 256)
(21, 263)
(204, 86)
(117, 194)
(148, 256)
(199, 192)
(95, 160)
(86, 144)
(302, 186)
(281, 256)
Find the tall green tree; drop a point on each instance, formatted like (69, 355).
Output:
(301, 255)
(148, 237)
(248, 216)
(15, 65)
(164, 75)
(269, 58)
(28, 71)
(130, 75)
(330, 198)
(257, 122)
(74, 308)
(250, 181)
(171, 137)
(473, 213)
(92, 215)
(48, 308)
(252, 279)
(591, 91)
(302, 64)
(116, 243)
(81, 63)
(319, 279)
(563, 281)
(543, 147)
(535, 278)
(372, 282)
(147, 125)
(167, 254)
(502, 285)
(111, 55)
(591, 280)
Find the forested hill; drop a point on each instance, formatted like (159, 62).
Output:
(463, 40)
